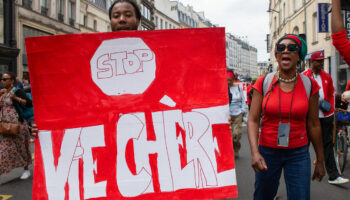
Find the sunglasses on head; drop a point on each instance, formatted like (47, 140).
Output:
(5, 79)
(290, 47)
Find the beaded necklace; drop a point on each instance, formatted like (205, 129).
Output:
(287, 80)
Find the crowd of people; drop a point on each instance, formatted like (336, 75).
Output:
(288, 111)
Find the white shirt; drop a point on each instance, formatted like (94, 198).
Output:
(320, 92)
(237, 104)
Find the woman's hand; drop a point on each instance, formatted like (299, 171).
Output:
(34, 130)
(13, 95)
(319, 171)
(258, 162)
(3, 91)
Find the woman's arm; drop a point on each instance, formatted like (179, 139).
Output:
(337, 20)
(314, 134)
(21, 97)
(258, 162)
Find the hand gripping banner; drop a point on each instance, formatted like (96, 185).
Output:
(131, 115)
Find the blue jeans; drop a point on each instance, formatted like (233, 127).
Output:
(297, 173)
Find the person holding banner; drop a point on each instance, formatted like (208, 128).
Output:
(339, 34)
(14, 149)
(237, 109)
(288, 105)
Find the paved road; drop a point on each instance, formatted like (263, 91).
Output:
(16, 189)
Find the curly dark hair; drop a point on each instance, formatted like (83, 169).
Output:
(133, 3)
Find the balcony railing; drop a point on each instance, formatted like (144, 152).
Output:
(60, 17)
(27, 4)
(44, 10)
(71, 21)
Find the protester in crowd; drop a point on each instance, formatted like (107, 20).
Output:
(250, 92)
(18, 83)
(289, 121)
(326, 113)
(237, 109)
(124, 15)
(339, 35)
(14, 149)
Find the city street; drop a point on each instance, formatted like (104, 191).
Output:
(12, 188)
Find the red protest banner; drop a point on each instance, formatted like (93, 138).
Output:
(136, 115)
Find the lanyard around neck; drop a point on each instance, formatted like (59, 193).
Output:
(291, 102)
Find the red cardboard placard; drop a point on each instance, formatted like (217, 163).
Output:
(132, 115)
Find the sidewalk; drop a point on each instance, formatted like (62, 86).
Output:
(13, 175)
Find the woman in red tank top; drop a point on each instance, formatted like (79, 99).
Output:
(289, 121)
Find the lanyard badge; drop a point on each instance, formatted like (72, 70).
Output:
(284, 128)
(283, 134)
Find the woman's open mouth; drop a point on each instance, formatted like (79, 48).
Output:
(286, 60)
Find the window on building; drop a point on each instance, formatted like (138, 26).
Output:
(60, 6)
(170, 27)
(2, 20)
(296, 30)
(71, 7)
(43, 4)
(161, 23)
(146, 12)
(95, 24)
(60, 10)
(27, 3)
(85, 20)
(156, 22)
(314, 27)
(166, 25)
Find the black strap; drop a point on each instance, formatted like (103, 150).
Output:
(291, 102)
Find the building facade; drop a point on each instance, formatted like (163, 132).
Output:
(188, 18)
(8, 41)
(263, 68)
(241, 57)
(29, 18)
(147, 12)
(166, 15)
(301, 17)
(253, 64)
(94, 16)
(43, 17)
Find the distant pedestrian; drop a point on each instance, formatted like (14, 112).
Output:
(14, 149)
(326, 114)
(289, 120)
(237, 110)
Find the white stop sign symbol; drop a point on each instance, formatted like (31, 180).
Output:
(123, 66)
